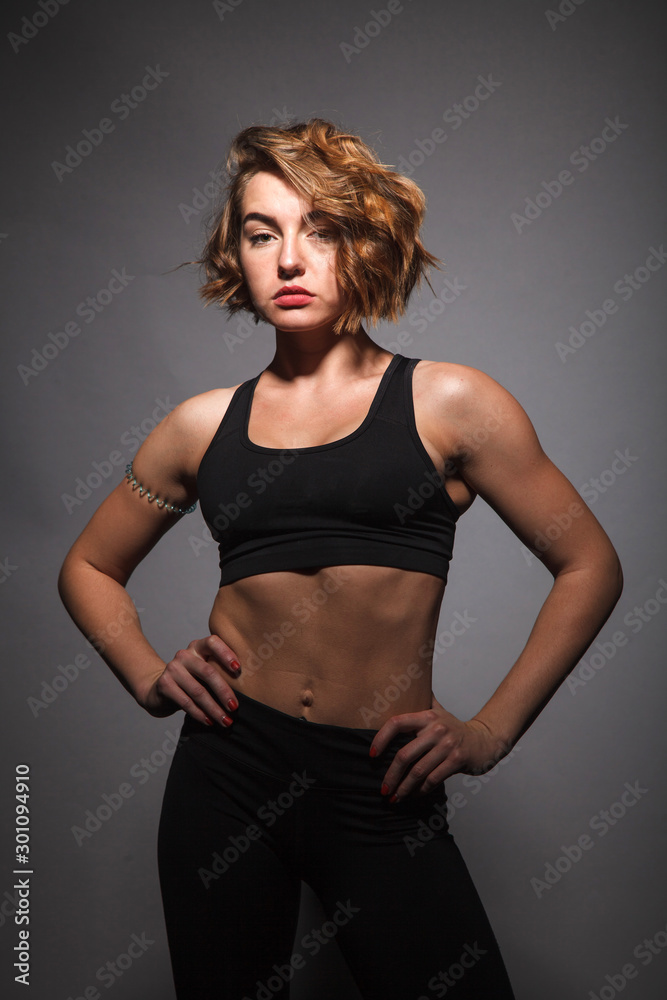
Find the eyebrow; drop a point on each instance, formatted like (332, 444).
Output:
(259, 217)
(269, 220)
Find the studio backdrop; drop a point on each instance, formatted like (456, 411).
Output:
(537, 135)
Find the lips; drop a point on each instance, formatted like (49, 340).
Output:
(292, 290)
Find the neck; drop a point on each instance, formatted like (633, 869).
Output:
(332, 357)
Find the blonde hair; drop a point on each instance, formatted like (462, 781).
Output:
(375, 214)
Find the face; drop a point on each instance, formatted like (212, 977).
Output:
(279, 251)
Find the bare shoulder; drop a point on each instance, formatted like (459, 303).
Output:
(472, 404)
(195, 420)
(170, 456)
(460, 385)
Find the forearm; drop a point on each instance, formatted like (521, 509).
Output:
(103, 610)
(577, 607)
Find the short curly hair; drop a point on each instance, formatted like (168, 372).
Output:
(375, 212)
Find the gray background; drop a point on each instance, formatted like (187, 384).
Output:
(125, 206)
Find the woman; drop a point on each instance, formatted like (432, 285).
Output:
(313, 748)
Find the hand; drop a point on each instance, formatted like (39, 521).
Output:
(444, 745)
(194, 681)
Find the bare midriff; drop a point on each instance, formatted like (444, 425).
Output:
(342, 645)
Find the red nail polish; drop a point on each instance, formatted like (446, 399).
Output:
(233, 705)
(394, 798)
(384, 790)
(235, 665)
(209, 722)
(373, 752)
(226, 721)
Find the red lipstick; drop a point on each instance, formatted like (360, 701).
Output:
(293, 295)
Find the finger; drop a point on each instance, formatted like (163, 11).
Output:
(437, 776)
(213, 647)
(397, 724)
(428, 773)
(404, 760)
(208, 672)
(183, 701)
(188, 693)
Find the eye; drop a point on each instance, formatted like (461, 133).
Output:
(260, 239)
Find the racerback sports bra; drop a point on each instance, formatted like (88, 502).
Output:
(374, 497)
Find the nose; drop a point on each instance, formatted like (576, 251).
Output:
(291, 260)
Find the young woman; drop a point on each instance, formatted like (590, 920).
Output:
(313, 748)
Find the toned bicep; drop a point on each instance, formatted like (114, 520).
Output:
(128, 524)
(121, 533)
(510, 471)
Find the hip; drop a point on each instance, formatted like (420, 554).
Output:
(325, 769)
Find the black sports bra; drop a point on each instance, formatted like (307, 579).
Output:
(374, 497)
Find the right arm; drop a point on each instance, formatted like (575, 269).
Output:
(120, 534)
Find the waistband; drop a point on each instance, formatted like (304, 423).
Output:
(268, 740)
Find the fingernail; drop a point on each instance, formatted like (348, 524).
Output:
(373, 752)
(394, 798)
(226, 721)
(209, 722)
(235, 665)
(384, 790)
(232, 704)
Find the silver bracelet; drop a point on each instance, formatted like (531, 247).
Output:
(136, 485)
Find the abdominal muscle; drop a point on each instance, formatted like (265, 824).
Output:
(333, 644)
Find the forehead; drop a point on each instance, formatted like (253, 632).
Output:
(268, 190)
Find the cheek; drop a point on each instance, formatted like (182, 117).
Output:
(251, 274)
(329, 266)
(341, 294)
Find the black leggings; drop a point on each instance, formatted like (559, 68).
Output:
(252, 810)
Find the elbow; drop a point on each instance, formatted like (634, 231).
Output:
(602, 574)
(68, 578)
(64, 578)
(618, 577)
(611, 576)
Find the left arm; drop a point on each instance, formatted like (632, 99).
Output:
(511, 472)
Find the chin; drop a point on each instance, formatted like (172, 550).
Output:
(303, 327)
(299, 320)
